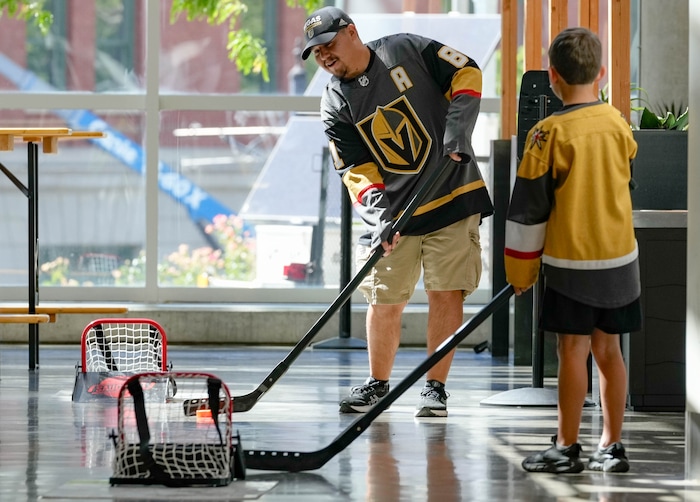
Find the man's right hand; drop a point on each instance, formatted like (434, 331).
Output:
(389, 246)
(520, 291)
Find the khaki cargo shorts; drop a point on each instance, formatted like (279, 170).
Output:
(450, 259)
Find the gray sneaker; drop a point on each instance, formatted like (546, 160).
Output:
(433, 400)
(610, 459)
(555, 460)
(363, 397)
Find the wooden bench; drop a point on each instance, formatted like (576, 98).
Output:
(24, 318)
(50, 312)
(53, 310)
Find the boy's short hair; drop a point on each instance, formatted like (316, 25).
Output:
(576, 55)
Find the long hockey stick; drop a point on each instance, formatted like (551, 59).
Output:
(247, 401)
(306, 461)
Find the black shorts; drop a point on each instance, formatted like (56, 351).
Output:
(561, 314)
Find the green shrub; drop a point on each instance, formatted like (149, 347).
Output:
(234, 259)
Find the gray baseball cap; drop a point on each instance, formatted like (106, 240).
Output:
(322, 26)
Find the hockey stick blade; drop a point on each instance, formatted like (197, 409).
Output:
(192, 406)
(305, 461)
(247, 401)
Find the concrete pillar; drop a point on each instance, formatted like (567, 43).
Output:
(663, 62)
(692, 419)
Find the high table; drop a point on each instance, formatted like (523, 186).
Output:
(49, 138)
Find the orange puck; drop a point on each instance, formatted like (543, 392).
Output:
(203, 414)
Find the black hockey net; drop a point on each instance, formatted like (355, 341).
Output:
(158, 443)
(123, 345)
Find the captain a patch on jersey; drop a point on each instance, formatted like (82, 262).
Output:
(399, 141)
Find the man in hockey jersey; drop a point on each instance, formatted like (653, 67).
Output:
(393, 110)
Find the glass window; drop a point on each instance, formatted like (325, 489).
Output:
(244, 196)
(46, 54)
(116, 46)
(249, 203)
(91, 203)
(194, 57)
(79, 59)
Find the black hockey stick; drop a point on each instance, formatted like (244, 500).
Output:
(247, 401)
(306, 461)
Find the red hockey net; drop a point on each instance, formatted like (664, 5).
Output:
(123, 345)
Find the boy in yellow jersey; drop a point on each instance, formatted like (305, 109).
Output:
(571, 212)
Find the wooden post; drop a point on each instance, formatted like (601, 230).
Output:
(588, 17)
(533, 35)
(429, 7)
(509, 66)
(619, 55)
(558, 17)
(588, 14)
(435, 6)
(618, 65)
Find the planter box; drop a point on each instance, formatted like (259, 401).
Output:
(661, 170)
(655, 355)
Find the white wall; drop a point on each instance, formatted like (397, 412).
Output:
(664, 51)
(693, 302)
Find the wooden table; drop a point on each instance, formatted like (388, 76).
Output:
(49, 138)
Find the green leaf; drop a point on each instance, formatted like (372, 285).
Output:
(682, 121)
(649, 120)
(669, 121)
(604, 94)
(248, 52)
(28, 11)
(308, 5)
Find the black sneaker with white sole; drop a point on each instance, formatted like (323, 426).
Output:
(555, 459)
(363, 397)
(610, 459)
(433, 400)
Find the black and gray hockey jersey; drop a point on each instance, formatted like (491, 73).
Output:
(388, 128)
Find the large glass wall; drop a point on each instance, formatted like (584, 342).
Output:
(210, 185)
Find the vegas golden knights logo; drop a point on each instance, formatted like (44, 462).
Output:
(398, 140)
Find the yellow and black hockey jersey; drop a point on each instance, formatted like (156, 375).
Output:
(571, 208)
(388, 128)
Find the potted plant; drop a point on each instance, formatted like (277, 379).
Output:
(661, 166)
(673, 119)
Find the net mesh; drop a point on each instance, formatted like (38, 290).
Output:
(124, 345)
(181, 449)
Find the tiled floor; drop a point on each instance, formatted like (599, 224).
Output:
(54, 449)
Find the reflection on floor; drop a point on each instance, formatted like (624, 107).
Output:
(54, 449)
